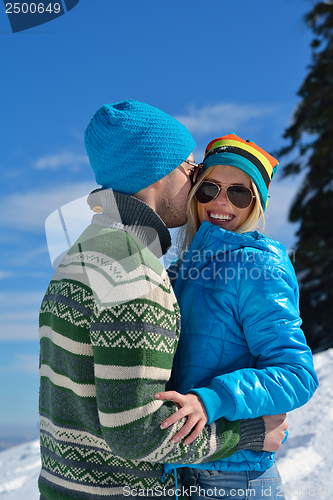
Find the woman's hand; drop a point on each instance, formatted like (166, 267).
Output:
(191, 407)
(276, 427)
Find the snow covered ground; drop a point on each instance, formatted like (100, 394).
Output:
(19, 471)
(305, 461)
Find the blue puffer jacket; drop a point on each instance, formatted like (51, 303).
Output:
(241, 348)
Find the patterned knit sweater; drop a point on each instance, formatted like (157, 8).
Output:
(109, 327)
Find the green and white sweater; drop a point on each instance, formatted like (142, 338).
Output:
(109, 328)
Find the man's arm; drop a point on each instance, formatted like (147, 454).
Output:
(133, 361)
(134, 336)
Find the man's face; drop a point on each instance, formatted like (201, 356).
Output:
(174, 189)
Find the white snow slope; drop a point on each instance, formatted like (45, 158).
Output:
(305, 461)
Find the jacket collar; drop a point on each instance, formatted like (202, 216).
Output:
(217, 239)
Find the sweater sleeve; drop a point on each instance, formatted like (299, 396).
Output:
(133, 361)
(284, 376)
(134, 333)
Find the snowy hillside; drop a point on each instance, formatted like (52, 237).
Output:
(305, 460)
(19, 471)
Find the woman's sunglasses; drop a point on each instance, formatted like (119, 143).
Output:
(238, 195)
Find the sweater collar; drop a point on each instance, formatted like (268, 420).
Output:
(126, 213)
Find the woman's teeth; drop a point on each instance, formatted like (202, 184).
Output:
(221, 217)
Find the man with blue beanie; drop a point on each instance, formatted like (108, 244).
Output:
(109, 324)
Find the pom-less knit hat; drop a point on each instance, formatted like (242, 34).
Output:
(131, 145)
(245, 155)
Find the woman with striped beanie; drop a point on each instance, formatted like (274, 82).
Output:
(242, 353)
(257, 164)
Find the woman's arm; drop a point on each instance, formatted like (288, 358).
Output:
(284, 376)
(191, 407)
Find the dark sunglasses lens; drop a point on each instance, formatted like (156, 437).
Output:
(240, 196)
(206, 192)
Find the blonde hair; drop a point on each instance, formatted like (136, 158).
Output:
(187, 232)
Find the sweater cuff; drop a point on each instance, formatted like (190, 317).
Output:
(253, 434)
(216, 405)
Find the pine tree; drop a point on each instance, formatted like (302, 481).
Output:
(311, 138)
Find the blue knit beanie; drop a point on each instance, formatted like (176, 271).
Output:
(131, 145)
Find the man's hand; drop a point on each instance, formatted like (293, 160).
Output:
(276, 427)
(191, 407)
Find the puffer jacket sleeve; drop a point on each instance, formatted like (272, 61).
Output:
(284, 377)
(134, 331)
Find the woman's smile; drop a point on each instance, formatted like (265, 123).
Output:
(220, 216)
(220, 211)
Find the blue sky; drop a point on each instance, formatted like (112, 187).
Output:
(217, 66)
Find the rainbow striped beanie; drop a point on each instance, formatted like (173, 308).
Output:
(131, 145)
(245, 155)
